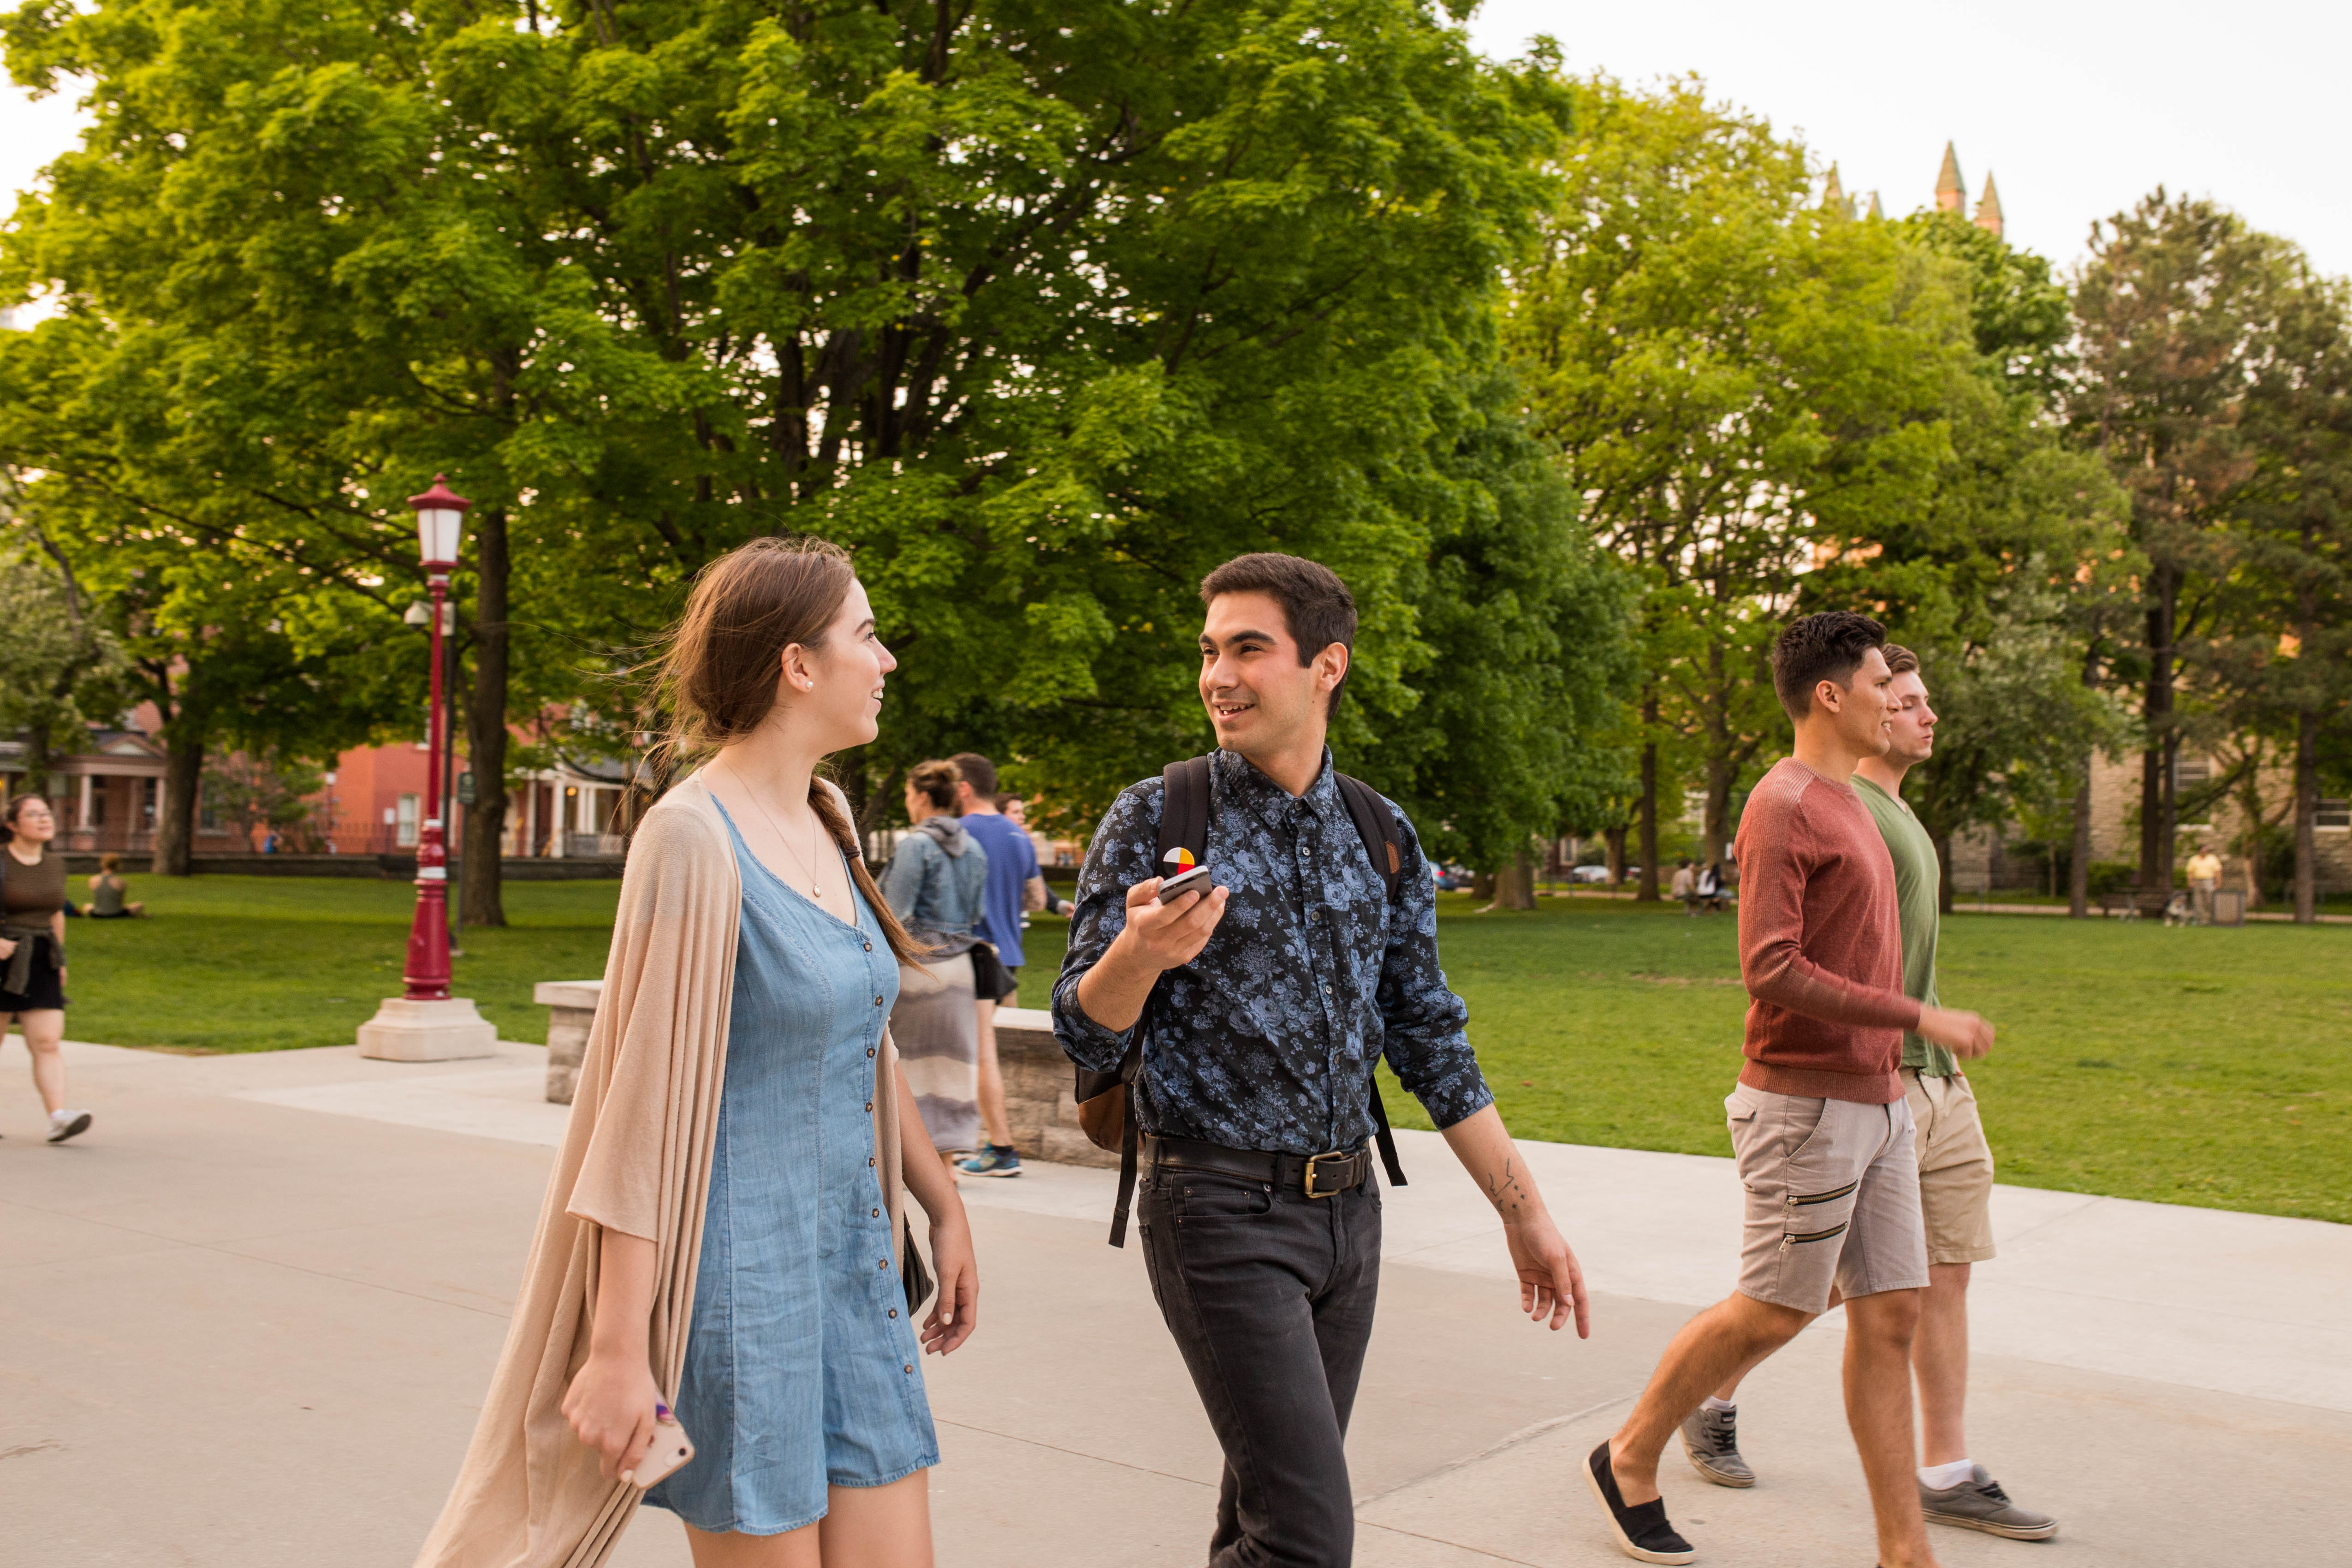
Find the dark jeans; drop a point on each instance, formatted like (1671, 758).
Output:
(1269, 1295)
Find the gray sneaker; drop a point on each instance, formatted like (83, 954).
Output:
(1711, 1439)
(1978, 1503)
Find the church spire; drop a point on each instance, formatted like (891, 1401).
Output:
(1834, 195)
(1951, 191)
(1988, 209)
(1875, 210)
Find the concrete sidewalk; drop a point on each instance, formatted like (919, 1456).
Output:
(247, 1321)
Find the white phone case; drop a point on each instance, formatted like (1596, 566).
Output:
(670, 1449)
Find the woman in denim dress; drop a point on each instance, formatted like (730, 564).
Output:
(801, 1390)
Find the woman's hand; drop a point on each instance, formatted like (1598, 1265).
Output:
(8, 947)
(613, 1405)
(955, 1311)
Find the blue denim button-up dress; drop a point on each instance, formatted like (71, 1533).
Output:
(801, 1364)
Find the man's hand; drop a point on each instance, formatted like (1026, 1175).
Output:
(1551, 1282)
(1159, 936)
(8, 947)
(1963, 1033)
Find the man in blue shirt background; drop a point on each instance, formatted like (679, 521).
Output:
(1014, 885)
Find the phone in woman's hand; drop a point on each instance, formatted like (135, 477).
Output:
(670, 1449)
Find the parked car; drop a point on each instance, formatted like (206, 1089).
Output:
(1599, 873)
(1450, 879)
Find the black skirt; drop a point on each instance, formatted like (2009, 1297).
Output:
(44, 988)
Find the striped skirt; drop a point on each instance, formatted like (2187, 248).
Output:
(937, 1028)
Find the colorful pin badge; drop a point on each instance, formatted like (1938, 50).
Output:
(1180, 857)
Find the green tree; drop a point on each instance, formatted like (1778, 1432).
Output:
(55, 662)
(1044, 309)
(2174, 304)
(1741, 384)
(2279, 661)
(2006, 576)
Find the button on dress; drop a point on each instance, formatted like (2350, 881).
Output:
(801, 1364)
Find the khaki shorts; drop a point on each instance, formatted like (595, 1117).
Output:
(1955, 1168)
(1832, 1197)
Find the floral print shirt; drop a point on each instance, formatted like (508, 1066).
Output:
(1267, 1039)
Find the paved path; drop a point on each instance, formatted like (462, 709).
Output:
(248, 1321)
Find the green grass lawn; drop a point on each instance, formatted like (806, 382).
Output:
(262, 964)
(2201, 1067)
(2209, 1067)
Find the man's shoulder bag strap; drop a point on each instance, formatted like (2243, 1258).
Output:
(1376, 825)
(1107, 1100)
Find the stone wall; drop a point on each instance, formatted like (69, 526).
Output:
(1039, 1090)
(1039, 1081)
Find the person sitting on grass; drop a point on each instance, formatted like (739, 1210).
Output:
(106, 890)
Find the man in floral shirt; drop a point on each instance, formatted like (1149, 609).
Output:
(1262, 1007)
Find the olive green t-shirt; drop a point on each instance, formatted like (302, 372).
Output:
(1917, 881)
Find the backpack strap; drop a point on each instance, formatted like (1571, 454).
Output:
(1376, 825)
(1183, 825)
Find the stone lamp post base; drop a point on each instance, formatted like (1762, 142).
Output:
(407, 1031)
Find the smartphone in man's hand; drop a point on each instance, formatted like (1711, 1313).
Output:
(1195, 880)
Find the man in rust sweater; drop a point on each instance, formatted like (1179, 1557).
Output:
(1818, 1121)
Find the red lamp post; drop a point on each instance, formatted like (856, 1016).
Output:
(440, 526)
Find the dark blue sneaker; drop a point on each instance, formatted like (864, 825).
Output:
(995, 1160)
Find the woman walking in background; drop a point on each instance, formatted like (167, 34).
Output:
(106, 890)
(723, 1226)
(934, 884)
(33, 953)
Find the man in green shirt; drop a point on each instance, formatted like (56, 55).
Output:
(1954, 1171)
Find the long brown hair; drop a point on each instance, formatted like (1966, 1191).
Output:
(718, 676)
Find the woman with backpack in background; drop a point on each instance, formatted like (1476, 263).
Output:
(33, 954)
(935, 883)
(724, 1229)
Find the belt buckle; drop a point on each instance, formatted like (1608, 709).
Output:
(1315, 1160)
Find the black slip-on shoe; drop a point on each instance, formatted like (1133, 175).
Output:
(1641, 1530)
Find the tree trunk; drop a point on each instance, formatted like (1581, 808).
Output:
(2158, 761)
(2306, 818)
(1515, 884)
(175, 815)
(2078, 874)
(1481, 888)
(1646, 892)
(482, 902)
(36, 780)
(1715, 817)
(1943, 873)
(1613, 854)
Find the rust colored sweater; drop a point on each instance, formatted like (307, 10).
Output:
(1821, 947)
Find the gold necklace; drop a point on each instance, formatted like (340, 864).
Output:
(816, 891)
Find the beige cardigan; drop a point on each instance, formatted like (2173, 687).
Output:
(636, 1157)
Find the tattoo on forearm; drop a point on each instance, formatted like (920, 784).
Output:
(1506, 1192)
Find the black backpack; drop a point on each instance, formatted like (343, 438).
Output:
(1107, 1100)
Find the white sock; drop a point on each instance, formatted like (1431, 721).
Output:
(1944, 1478)
(1719, 1404)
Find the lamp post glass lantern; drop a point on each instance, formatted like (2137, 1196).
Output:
(440, 530)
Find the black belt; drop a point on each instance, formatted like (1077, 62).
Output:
(1322, 1175)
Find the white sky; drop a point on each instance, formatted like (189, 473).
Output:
(2077, 107)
